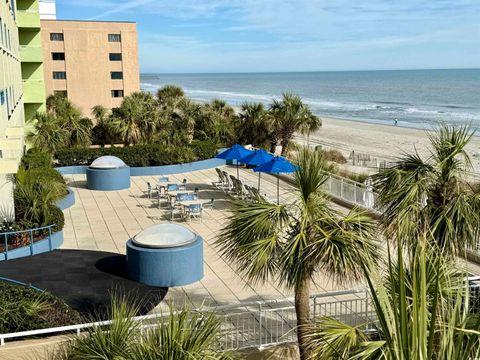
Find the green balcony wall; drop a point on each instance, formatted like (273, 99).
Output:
(31, 55)
(34, 91)
(28, 20)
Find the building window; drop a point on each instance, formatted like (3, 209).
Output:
(59, 75)
(116, 75)
(117, 93)
(2, 97)
(58, 56)
(56, 36)
(63, 93)
(115, 56)
(114, 38)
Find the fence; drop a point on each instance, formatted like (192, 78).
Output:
(351, 192)
(251, 324)
(14, 240)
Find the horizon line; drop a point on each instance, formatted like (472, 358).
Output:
(296, 71)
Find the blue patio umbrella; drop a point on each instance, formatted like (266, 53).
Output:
(234, 152)
(278, 165)
(257, 158)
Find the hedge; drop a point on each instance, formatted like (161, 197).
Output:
(140, 155)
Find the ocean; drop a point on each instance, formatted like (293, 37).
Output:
(416, 98)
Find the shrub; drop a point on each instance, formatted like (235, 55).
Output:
(35, 158)
(206, 149)
(23, 308)
(51, 178)
(352, 176)
(335, 156)
(137, 155)
(56, 217)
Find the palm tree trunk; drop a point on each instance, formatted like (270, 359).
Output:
(284, 144)
(302, 309)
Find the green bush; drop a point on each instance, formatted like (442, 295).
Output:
(56, 217)
(23, 308)
(51, 178)
(138, 155)
(206, 149)
(35, 158)
(37, 187)
(334, 156)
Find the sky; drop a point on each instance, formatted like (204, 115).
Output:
(198, 36)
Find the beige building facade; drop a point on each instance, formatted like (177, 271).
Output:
(91, 62)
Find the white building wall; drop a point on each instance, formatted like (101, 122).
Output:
(47, 9)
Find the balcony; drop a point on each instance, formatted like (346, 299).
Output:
(31, 53)
(28, 19)
(33, 91)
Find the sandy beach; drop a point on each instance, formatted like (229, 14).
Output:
(380, 141)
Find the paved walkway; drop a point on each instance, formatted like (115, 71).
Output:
(106, 220)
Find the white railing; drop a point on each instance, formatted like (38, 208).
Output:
(351, 192)
(249, 324)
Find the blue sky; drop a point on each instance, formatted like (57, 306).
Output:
(178, 36)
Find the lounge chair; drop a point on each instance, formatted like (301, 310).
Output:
(218, 184)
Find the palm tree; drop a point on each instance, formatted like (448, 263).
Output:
(137, 118)
(181, 335)
(169, 96)
(423, 311)
(254, 125)
(289, 115)
(312, 123)
(186, 116)
(432, 193)
(291, 243)
(102, 132)
(70, 118)
(47, 134)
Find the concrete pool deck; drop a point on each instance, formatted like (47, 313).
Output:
(106, 220)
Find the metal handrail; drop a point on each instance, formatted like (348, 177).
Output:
(5, 236)
(261, 307)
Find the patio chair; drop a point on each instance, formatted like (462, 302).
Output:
(163, 179)
(150, 191)
(208, 204)
(184, 184)
(194, 210)
(176, 210)
(161, 195)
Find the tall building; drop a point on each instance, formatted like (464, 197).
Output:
(31, 55)
(91, 62)
(11, 100)
(47, 9)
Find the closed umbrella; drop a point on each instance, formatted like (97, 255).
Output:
(234, 152)
(278, 165)
(257, 158)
